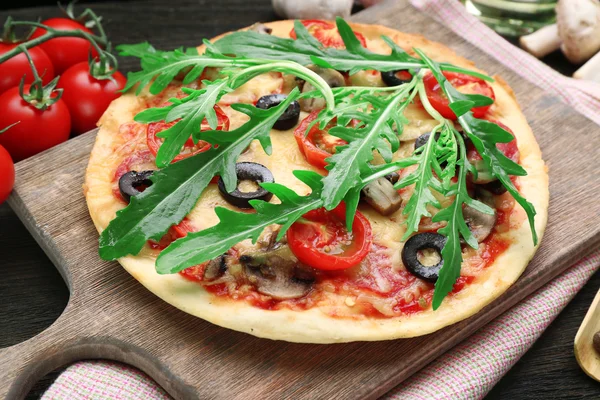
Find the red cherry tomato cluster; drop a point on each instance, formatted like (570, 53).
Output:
(46, 109)
(86, 93)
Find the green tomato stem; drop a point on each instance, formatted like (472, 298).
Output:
(52, 33)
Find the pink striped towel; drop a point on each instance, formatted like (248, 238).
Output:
(472, 368)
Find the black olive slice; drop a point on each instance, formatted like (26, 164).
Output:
(289, 118)
(248, 171)
(424, 138)
(395, 78)
(393, 177)
(419, 242)
(131, 182)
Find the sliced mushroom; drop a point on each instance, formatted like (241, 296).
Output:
(382, 196)
(276, 273)
(215, 268)
(261, 28)
(480, 224)
(331, 76)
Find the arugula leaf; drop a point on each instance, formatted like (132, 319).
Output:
(346, 164)
(455, 228)
(138, 50)
(163, 66)
(485, 135)
(424, 180)
(192, 110)
(307, 50)
(234, 227)
(177, 187)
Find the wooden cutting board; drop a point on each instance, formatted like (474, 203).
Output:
(110, 315)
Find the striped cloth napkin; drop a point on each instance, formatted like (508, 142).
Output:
(472, 368)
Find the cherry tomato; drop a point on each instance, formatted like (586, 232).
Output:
(317, 145)
(13, 69)
(326, 32)
(37, 130)
(510, 149)
(7, 174)
(189, 147)
(320, 239)
(175, 232)
(463, 83)
(86, 96)
(65, 51)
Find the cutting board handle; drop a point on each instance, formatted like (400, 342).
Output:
(68, 340)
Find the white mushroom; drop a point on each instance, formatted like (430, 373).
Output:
(576, 33)
(579, 28)
(542, 42)
(312, 9)
(590, 70)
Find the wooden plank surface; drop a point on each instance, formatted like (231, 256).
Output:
(191, 358)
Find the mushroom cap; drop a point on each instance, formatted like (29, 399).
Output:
(312, 9)
(579, 28)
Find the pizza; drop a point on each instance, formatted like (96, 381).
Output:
(426, 199)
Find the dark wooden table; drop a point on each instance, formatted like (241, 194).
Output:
(33, 295)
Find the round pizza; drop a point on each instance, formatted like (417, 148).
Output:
(318, 181)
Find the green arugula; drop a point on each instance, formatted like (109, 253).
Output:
(347, 166)
(197, 105)
(485, 135)
(234, 227)
(307, 50)
(455, 228)
(176, 188)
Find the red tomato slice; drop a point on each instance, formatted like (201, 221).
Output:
(463, 83)
(326, 32)
(190, 149)
(320, 239)
(175, 232)
(317, 145)
(510, 149)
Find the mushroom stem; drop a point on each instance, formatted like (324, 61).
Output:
(590, 71)
(542, 42)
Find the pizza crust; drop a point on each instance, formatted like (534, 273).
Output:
(313, 325)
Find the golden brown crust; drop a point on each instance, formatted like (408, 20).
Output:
(313, 325)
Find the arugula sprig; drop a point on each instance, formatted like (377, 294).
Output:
(176, 188)
(305, 49)
(234, 227)
(484, 135)
(377, 132)
(161, 67)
